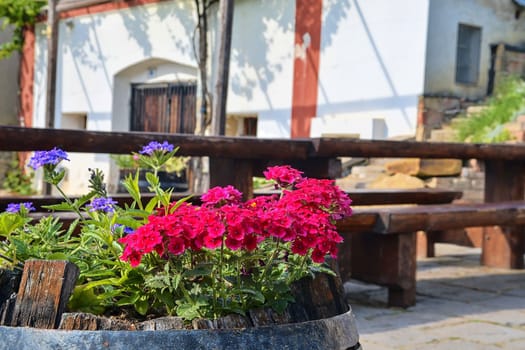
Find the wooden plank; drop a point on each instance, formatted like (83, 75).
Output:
(336, 147)
(30, 139)
(404, 196)
(359, 221)
(235, 172)
(450, 216)
(44, 290)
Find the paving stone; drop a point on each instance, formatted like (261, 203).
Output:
(514, 345)
(480, 332)
(448, 344)
(452, 292)
(459, 305)
(507, 318)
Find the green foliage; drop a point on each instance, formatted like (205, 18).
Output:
(133, 161)
(17, 181)
(261, 182)
(205, 282)
(487, 125)
(18, 14)
(106, 285)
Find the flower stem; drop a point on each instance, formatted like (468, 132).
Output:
(270, 261)
(68, 201)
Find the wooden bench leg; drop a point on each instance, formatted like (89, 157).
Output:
(388, 260)
(425, 245)
(401, 297)
(503, 247)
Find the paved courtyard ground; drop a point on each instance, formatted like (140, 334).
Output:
(460, 305)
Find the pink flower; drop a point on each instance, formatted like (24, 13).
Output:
(221, 195)
(304, 216)
(284, 175)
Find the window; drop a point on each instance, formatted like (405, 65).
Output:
(164, 107)
(241, 125)
(468, 54)
(77, 121)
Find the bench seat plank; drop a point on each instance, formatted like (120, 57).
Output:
(452, 216)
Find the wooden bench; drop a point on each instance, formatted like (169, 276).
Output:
(382, 241)
(235, 161)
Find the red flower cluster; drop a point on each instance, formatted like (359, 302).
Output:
(303, 216)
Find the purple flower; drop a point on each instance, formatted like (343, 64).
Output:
(102, 204)
(41, 158)
(153, 146)
(125, 229)
(15, 207)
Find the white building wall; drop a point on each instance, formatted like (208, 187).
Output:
(93, 52)
(261, 69)
(371, 67)
(101, 54)
(498, 24)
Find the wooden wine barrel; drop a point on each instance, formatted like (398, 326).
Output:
(319, 319)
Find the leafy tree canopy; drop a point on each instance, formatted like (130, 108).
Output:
(17, 14)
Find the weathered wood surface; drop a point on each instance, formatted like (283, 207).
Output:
(452, 216)
(403, 196)
(388, 260)
(335, 147)
(9, 283)
(504, 246)
(90, 322)
(29, 139)
(44, 290)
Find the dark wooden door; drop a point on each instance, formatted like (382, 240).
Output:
(163, 107)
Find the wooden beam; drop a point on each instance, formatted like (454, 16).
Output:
(504, 246)
(28, 139)
(332, 147)
(52, 47)
(223, 66)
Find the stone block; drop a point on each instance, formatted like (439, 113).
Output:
(397, 181)
(425, 167)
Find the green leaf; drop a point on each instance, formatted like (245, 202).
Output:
(59, 207)
(258, 296)
(187, 311)
(129, 300)
(152, 204)
(142, 306)
(152, 179)
(10, 222)
(200, 270)
(85, 300)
